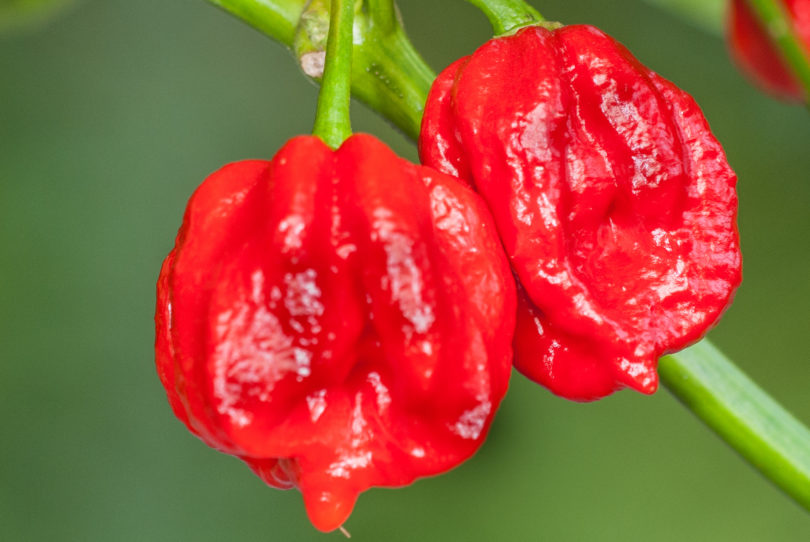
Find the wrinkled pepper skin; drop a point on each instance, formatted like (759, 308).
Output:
(613, 200)
(758, 55)
(337, 319)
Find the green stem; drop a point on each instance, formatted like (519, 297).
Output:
(388, 74)
(276, 18)
(384, 14)
(743, 415)
(773, 17)
(507, 16)
(333, 121)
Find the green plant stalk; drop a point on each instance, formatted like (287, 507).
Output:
(705, 381)
(276, 18)
(774, 17)
(333, 123)
(507, 16)
(743, 415)
(388, 74)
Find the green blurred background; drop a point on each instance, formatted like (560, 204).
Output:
(110, 116)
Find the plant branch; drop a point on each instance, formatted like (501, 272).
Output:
(388, 74)
(276, 18)
(743, 415)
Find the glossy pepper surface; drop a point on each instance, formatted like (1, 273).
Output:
(614, 202)
(756, 52)
(337, 319)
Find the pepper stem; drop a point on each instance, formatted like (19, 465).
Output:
(276, 18)
(333, 122)
(388, 74)
(773, 17)
(383, 14)
(507, 16)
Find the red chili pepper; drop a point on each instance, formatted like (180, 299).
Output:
(337, 319)
(612, 198)
(758, 55)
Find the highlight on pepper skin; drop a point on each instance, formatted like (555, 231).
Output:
(615, 204)
(337, 319)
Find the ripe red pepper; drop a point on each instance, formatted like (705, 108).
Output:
(337, 319)
(758, 55)
(612, 198)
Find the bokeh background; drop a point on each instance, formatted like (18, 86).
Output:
(111, 115)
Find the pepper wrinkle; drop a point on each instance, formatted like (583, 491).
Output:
(614, 202)
(337, 319)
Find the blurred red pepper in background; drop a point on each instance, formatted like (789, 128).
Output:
(759, 56)
(614, 202)
(337, 319)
